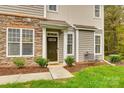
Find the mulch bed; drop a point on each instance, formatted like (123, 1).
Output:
(81, 65)
(25, 70)
(120, 64)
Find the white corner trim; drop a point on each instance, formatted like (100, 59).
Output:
(103, 42)
(77, 45)
(44, 44)
(94, 46)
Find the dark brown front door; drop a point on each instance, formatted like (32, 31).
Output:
(52, 48)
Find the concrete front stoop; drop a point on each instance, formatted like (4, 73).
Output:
(58, 72)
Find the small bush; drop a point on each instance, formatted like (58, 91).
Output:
(69, 60)
(42, 62)
(19, 62)
(115, 58)
(122, 55)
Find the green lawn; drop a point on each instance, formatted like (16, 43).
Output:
(92, 77)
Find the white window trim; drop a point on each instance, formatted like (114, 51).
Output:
(72, 54)
(99, 12)
(20, 43)
(52, 10)
(100, 44)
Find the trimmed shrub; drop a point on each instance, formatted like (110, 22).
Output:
(19, 62)
(42, 62)
(69, 60)
(115, 58)
(122, 55)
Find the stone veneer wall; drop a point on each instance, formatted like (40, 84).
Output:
(19, 22)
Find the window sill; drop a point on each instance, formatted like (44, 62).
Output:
(97, 18)
(98, 54)
(70, 54)
(22, 56)
(51, 11)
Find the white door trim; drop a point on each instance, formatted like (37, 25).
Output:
(57, 61)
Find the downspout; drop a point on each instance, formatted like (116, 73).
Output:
(77, 43)
(45, 11)
(109, 63)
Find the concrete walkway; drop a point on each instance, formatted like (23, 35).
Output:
(56, 72)
(59, 72)
(25, 77)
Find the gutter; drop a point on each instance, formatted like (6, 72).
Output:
(109, 63)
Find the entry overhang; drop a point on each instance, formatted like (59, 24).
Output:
(54, 24)
(85, 27)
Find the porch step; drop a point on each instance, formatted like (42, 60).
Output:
(58, 72)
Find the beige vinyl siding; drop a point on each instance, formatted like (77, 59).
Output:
(61, 38)
(86, 43)
(99, 31)
(77, 14)
(29, 10)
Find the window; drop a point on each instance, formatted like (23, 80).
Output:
(97, 44)
(97, 10)
(52, 8)
(69, 43)
(13, 41)
(27, 42)
(20, 42)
